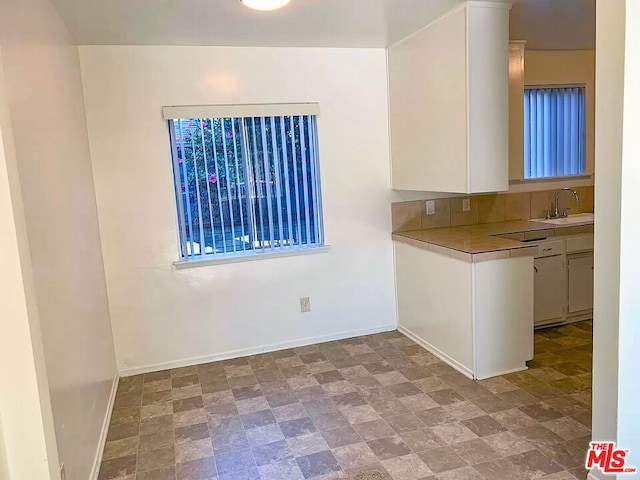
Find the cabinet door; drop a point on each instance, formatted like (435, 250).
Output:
(550, 288)
(580, 283)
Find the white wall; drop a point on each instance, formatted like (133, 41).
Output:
(608, 154)
(629, 328)
(4, 466)
(616, 392)
(45, 101)
(27, 439)
(164, 317)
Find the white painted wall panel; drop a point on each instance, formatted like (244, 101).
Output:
(628, 379)
(503, 293)
(610, 61)
(435, 301)
(163, 317)
(49, 135)
(27, 439)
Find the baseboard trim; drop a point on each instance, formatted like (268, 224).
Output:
(105, 429)
(127, 372)
(592, 476)
(505, 372)
(575, 317)
(438, 353)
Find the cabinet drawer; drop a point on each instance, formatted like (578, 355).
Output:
(547, 249)
(580, 244)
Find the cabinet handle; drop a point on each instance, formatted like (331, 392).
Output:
(547, 249)
(536, 269)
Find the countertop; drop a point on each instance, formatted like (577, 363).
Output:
(481, 239)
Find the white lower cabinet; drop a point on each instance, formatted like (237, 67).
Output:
(550, 287)
(477, 317)
(563, 281)
(580, 282)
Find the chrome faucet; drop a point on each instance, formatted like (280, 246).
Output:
(556, 214)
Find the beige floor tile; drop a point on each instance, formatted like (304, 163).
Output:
(442, 459)
(454, 432)
(567, 428)
(507, 443)
(407, 467)
(356, 455)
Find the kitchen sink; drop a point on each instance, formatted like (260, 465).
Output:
(569, 220)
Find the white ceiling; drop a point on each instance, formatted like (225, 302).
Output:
(545, 24)
(554, 24)
(325, 23)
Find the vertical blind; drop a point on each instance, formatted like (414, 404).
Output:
(246, 185)
(553, 132)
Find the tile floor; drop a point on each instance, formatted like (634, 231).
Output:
(378, 402)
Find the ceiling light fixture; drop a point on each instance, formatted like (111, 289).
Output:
(265, 5)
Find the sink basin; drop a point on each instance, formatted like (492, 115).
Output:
(570, 220)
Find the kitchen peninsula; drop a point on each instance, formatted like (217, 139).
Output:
(466, 293)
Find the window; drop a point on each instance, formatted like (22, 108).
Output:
(553, 132)
(245, 184)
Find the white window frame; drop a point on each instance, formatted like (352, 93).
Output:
(240, 115)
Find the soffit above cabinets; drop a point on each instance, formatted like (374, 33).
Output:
(554, 24)
(302, 23)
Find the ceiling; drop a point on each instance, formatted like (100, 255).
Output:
(554, 24)
(303, 23)
(544, 24)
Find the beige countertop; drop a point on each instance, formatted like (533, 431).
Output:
(480, 241)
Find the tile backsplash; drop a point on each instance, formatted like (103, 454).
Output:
(489, 208)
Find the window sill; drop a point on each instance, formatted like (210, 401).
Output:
(550, 183)
(552, 179)
(249, 257)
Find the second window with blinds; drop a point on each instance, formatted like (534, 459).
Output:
(554, 125)
(246, 185)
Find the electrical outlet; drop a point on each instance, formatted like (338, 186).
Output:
(431, 207)
(305, 305)
(466, 204)
(63, 474)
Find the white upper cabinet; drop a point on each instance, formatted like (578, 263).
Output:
(449, 103)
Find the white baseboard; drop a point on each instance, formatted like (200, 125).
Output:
(504, 372)
(105, 429)
(579, 317)
(127, 372)
(438, 353)
(593, 476)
